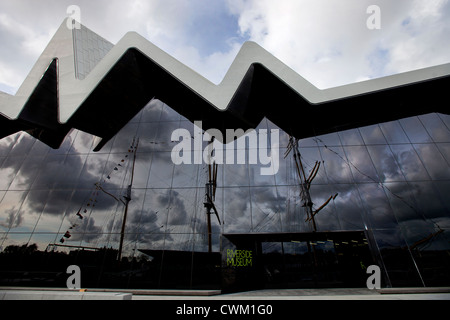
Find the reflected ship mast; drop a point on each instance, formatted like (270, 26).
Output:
(92, 201)
(305, 183)
(210, 194)
(127, 199)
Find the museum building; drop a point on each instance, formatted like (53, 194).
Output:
(360, 173)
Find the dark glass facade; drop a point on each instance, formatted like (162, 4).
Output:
(66, 206)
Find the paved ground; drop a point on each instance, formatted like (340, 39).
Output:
(316, 294)
(279, 304)
(282, 294)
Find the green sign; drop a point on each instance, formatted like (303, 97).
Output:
(239, 258)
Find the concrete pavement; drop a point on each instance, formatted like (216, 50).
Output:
(318, 294)
(441, 293)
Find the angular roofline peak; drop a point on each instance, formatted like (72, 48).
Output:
(254, 73)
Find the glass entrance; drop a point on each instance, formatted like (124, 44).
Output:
(300, 260)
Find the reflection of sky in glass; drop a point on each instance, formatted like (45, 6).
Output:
(393, 176)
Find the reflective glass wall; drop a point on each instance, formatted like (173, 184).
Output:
(68, 205)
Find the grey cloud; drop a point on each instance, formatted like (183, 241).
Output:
(13, 219)
(175, 26)
(87, 231)
(52, 179)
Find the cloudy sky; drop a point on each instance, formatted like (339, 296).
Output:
(328, 42)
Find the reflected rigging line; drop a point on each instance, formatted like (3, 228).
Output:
(109, 194)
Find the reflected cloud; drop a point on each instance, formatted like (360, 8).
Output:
(391, 176)
(12, 220)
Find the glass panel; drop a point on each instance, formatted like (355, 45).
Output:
(94, 170)
(141, 170)
(351, 137)
(133, 224)
(66, 144)
(107, 147)
(161, 171)
(31, 210)
(284, 137)
(118, 171)
(294, 219)
(49, 172)
(191, 176)
(168, 114)
(7, 143)
(237, 210)
(256, 173)
(409, 162)
(83, 143)
(124, 139)
(267, 207)
(444, 148)
(433, 161)
(156, 206)
(164, 135)
(372, 135)
(415, 130)
(280, 209)
(445, 119)
(9, 170)
(152, 112)
(147, 137)
(305, 143)
(393, 132)
(326, 218)
(361, 164)
(309, 158)
(236, 175)
(429, 202)
(54, 211)
(435, 127)
(430, 252)
(335, 165)
(402, 200)
(70, 172)
(9, 207)
(385, 164)
(22, 144)
(287, 173)
(182, 207)
(14, 241)
(331, 140)
(349, 207)
(397, 261)
(141, 220)
(443, 190)
(379, 211)
(39, 149)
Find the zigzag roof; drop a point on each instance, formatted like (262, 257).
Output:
(82, 81)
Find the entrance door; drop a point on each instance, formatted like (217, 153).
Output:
(315, 264)
(296, 260)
